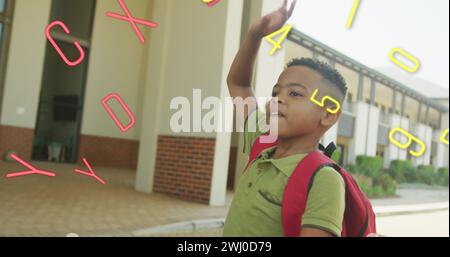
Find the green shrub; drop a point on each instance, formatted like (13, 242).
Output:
(365, 183)
(351, 168)
(372, 179)
(337, 156)
(377, 191)
(387, 183)
(426, 175)
(402, 171)
(442, 177)
(370, 166)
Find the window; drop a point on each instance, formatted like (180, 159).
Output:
(6, 9)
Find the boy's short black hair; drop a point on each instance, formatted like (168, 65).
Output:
(328, 72)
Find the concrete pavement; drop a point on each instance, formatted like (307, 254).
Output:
(71, 203)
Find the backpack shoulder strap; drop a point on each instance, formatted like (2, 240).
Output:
(297, 189)
(257, 149)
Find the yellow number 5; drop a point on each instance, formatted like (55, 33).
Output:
(411, 138)
(322, 103)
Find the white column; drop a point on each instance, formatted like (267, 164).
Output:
(365, 136)
(373, 123)
(393, 152)
(223, 139)
(151, 114)
(358, 143)
(403, 153)
(424, 133)
(441, 160)
(268, 67)
(25, 63)
(173, 45)
(330, 136)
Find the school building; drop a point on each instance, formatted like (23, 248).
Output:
(50, 111)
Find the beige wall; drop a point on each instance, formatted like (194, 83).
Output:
(194, 58)
(352, 79)
(187, 53)
(296, 51)
(398, 105)
(117, 61)
(25, 63)
(116, 64)
(433, 118)
(383, 96)
(366, 89)
(411, 109)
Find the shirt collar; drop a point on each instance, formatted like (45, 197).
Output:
(286, 165)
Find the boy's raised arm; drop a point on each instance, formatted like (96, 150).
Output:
(241, 72)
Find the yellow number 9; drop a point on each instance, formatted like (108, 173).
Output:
(411, 138)
(322, 103)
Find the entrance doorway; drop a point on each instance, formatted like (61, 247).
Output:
(61, 99)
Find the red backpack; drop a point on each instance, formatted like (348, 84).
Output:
(359, 217)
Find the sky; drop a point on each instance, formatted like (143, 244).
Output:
(420, 27)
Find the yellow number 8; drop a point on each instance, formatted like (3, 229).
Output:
(322, 103)
(411, 138)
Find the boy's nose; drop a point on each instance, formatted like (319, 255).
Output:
(277, 100)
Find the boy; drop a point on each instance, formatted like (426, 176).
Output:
(256, 207)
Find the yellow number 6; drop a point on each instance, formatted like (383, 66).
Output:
(322, 103)
(444, 137)
(411, 138)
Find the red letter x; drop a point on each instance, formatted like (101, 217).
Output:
(32, 170)
(133, 21)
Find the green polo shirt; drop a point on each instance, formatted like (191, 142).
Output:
(256, 206)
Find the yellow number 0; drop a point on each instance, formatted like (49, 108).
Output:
(322, 103)
(406, 55)
(411, 138)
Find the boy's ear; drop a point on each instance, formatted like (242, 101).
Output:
(329, 119)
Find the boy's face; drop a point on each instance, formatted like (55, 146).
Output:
(297, 114)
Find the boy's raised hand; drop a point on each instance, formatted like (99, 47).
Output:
(241, 72)
(273, 21)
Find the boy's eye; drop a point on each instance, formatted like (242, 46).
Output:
(274, 94)
(295, 94)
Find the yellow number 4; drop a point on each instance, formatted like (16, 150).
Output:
(277, 44)
(322, 103)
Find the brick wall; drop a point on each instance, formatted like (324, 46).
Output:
(109, 152)
(17, 139)
(184, 167)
